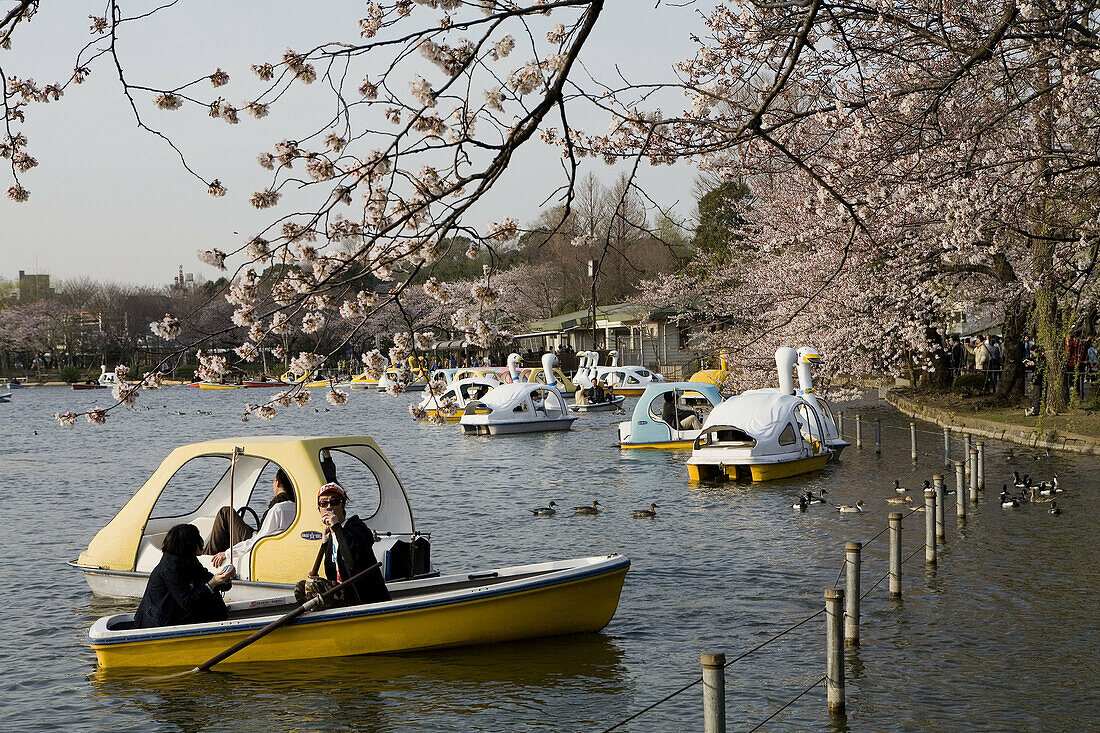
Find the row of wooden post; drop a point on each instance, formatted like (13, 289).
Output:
(973, 452)
(842, 604)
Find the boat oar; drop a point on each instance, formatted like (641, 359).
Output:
(310, 605)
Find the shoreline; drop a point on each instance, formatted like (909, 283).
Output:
(1033, 437)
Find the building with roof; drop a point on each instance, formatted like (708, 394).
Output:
(641, 336)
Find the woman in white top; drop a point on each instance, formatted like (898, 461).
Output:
(279, 515)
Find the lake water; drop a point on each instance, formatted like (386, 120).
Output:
(1001, 636)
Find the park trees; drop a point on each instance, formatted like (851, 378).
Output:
(904, 158)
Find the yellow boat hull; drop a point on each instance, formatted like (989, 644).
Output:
(761, 471)
(457, 416)
(669, 445)
(582, 605)
(220, 386)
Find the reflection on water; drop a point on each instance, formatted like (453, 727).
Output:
(999, 636)
(466, 686)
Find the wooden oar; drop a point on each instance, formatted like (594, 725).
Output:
(310, 605)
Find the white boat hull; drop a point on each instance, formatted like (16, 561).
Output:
(600, 406)
(511, 428)
(124, 584)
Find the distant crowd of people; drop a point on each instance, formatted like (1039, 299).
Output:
(985, 355)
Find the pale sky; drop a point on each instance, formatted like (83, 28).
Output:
(111, 202)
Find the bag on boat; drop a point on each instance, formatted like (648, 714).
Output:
(314, 586)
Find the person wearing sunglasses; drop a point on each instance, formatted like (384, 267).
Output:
(347, 545)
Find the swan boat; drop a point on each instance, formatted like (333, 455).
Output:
(106, 380)
(548, 373)
(716, 377)
(629, 380)
(647, 429)
(502, 604)
(196, 480)
(519, 407)
(766, 434)
(5, 397)
(459, 393)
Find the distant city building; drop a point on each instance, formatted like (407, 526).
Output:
(33, 287)
(183, 281)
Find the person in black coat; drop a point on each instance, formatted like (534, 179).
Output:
(351, 551)
(180, 590)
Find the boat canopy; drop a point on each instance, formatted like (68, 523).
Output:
(196, 480)
(646, 424)
(763, 414)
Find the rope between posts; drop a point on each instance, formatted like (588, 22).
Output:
(691, 684)
(844, 563)
(787, 705)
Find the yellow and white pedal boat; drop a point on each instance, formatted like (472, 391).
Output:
(196, 480)
(458, 394)
(502, 604)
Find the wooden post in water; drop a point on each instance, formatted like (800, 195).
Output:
(930, 526)
(878, 436)
(859, 431)
(947, 446)
(937, 486)
(834, 650)
(913, 441)
(840, 423)
(960, 490)
(973, 466)
(895, 554)
(852, 551)
(966, 454)
(981, 465)
(960, 478)
(714, 692)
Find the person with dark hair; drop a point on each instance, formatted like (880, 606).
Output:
(219, 539)
(347, 547)
(676, 418)
(180, 590)
(280, 514)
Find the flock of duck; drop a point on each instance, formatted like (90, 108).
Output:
(807, 498)
(592, 509)
(1027, 492)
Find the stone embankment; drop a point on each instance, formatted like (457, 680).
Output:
(1035, 437)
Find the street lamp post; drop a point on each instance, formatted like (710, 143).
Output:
(592, 276)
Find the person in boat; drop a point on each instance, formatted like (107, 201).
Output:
(598, 395)
(180, 590)
(676, 418)
(347, 549)
(581, 396)
(280, 513)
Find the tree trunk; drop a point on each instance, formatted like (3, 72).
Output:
(1051, 335)
(1011, 388)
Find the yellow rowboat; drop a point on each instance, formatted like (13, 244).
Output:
(504, 604)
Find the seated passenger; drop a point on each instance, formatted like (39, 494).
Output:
(347, 544)
(279, 515)
(678, 419)
(219, 533)
(581, 396)
(180, 590)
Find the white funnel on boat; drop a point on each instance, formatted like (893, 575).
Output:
(513, 366)
(548, 362)
(785, 358)
(614, 355)
(806, 357)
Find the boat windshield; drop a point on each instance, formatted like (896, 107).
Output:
(356, 477)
